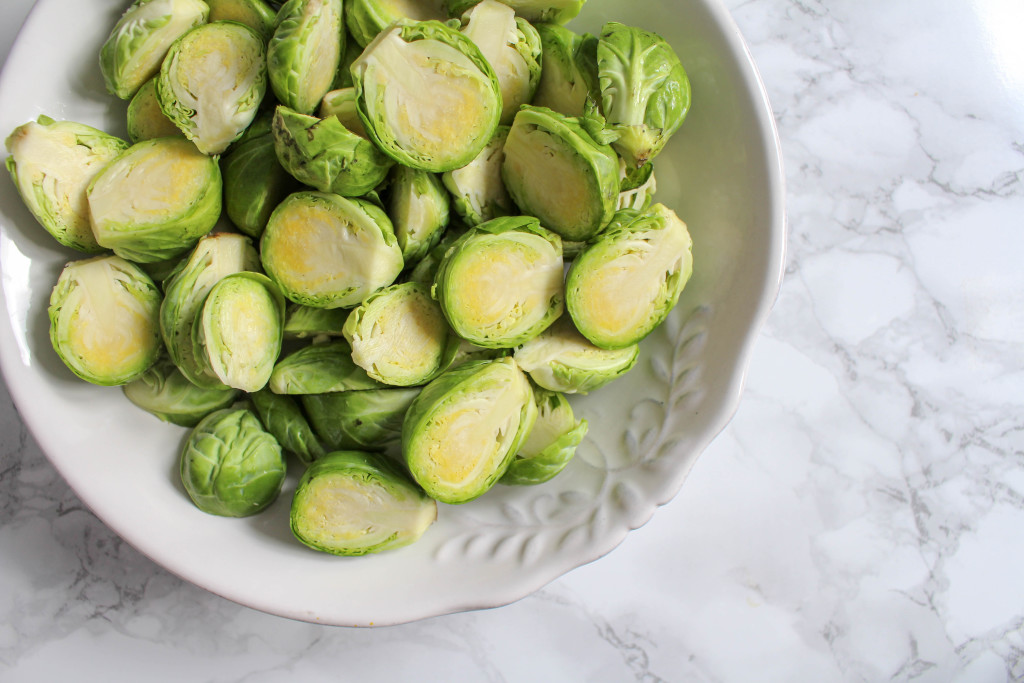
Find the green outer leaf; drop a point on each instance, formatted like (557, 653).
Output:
(551, 452)
(318, 369)
(145, 119)
(164, 392)
(303, 322)
(366, 419)
(282, 416)
(254, 183)
(293, 52)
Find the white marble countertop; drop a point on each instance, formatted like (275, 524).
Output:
(861, 519)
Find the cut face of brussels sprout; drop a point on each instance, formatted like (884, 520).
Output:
(328, 251)
(625, 283)
(145, 119)
(465, 427)
(254, 183)
(304, 52)
(342, 104)
(563, 86)
(104, 320)
(563, 360)
(556, 171)
(370, 419)
(551, 444)
(282, 416)
(367, 18)
(501, 283)
(477, 188)
(319, 369)
(155, 200)
(256, 14)
(534, 11)
(140, 40)
(511, 46)
(309, 322)
(52, 164)
(164, 392)
(427, 96)
(238, 333)
(645, 92)
(230, 465)
(212, 82)
(354, 503)
(326, 155)
(399, 335)
(418, 206)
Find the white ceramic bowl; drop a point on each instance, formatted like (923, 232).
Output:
(721, 173)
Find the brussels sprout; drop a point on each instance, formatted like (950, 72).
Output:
(478, 190)
(185, 290)
(140, 40)
(625, 283)
(354, 503)
(399, 335)
(555, 170)
(637, 187)
(563, 360)
(309, 322)
(551, 444)
(155, 200)
(212, 82)
(104, 320)
(367, 18)
(164, 392)
(326, 155)
(256, 14)
(645, 93)
(254, 183)
(501, 283)
(369, 419)
(230, 465)
(418, 206)
(511, 46)
(557, 11)
(319, 369)
(328, 251)
(464, 428)
(564, 84)
(145, 119)
(342, 103)
(343, 79)
(238, 334)
(304, 52)
(282, 416)
(427, 95)
(52, 164)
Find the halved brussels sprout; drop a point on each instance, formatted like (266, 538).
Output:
(564, 84)
(309, 322)
(555, 170)
(511, 46)
(534, 11)
(185, 290)
(354, 503)
(369, 419)
(501, 283)
(304, 52)
(52, 164)
(637, 187)
(324, 154)
(399, 335)
(477, 188)
(166, 393)
(645, 92)
(626, 282)
(342, 103)
(239, 331)
(104, 320)
(254, 182)
(427, 95)
(464, 428)
(551, 444)
(319, 369)
(145, 119)
(563, 360)
(418, 206)
(256, 14)
(328, 251)
(230, 465)
(212, 82)
(367, 18)
(139, 41)
(155, 200)
(282, 416)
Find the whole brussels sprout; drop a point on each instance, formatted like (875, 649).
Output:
(230, 465)
(367, 18)
(426, 95)
(477, 188)
(557, 11)
(145, 119)
(551, 444)
(368, 419)
(104, 320)
(164, 392)
(137, 44)
(282, 416)
(465, 427)
(256, 14)
(627, 280)
(254, 182)
(211, 83)
(52, 164)
(155, 200)
(318, 369)
(304, 52)
(418, 206)
(354, 503)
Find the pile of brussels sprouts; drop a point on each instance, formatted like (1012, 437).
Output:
(387, 237)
